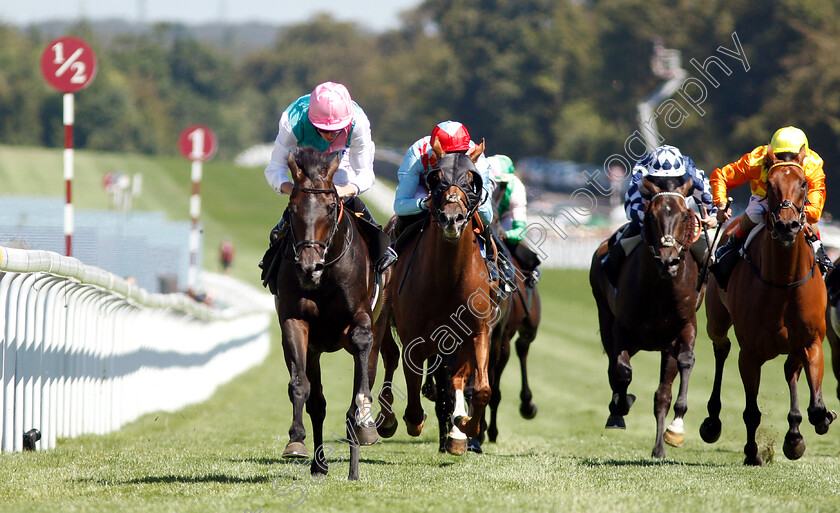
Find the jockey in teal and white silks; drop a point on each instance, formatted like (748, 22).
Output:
(342, 126)
(419, 159)
(329, 120)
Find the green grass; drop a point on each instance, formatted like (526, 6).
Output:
(224, 454)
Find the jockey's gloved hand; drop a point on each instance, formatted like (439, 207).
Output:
(515, 233)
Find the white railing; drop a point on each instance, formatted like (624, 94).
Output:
(84, 351)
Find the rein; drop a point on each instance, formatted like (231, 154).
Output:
(795, 284)
(299, 245)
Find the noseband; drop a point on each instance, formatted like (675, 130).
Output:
(666, 241)
(776, 212)
(299, 245)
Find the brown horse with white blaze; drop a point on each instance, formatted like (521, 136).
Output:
(444, 305)
(653, 308)
(776, 301)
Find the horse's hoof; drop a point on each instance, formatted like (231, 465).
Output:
(710, 430)
(456, 446)
(625, 408)
(474, 446)
(615, 422)
(794, 446)
(387, 431)
(296, 450)
(658, 453)
(414, 429)
(674, 439)
(822, 427)
(528, 410)
(754, 461)
(366, 435)
(492, 433)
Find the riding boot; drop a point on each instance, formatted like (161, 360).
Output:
(823, 260)
(528, 261)
(381, 253)
(504, 258)
(733, 244)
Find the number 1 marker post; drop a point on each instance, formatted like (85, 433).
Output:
(69, 65)
(197, 143)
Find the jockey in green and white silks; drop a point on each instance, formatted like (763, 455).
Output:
(509, 197)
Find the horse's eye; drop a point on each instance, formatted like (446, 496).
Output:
(331, 208)
(804, 184)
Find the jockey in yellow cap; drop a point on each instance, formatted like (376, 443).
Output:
(751, 167)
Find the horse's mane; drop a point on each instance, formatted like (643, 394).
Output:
(312, 163)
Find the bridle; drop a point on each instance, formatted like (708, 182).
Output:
(453, 198)
(299, 245)
(776, 212)
(666, 241)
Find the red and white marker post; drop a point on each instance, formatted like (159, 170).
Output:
(197, 143)
(69, 65)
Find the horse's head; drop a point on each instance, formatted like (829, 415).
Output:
(315, 210)
(787, 191)
(669, 224)
(455, 188)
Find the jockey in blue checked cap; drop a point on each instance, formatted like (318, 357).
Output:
(662, 164)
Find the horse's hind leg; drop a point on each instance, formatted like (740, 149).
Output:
(834, 342)
(794, 445)
(620, 374)
(429, 389)
(751, 377)
(717, 326)
(527, 334)
(662, 400)
(386, 423)
(316, 407)
(295, 335)
(817, 413)
(495, 386)
(443, 402)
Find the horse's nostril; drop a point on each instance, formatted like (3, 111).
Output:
(780, 226)
(298, 267)
(319, 267)
(460, 218)
(794, 225)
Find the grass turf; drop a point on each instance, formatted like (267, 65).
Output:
(224, 454)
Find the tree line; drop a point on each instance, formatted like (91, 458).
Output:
(556, 78)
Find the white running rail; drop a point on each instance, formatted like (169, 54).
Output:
(85, 351)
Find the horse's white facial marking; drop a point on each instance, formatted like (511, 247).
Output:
(787, 172)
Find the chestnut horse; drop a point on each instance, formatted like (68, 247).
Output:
(653, 308)
(832, 320)
(444, 305)
(323, 301)
(776, 300)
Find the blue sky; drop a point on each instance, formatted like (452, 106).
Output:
(375, 14)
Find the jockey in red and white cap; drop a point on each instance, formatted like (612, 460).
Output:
(420, 159)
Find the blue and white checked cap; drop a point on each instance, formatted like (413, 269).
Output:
(664, 161)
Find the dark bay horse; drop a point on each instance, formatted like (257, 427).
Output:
(653, 308)
(444, 305)
(776, 301)
(323, 301)
(832, 320)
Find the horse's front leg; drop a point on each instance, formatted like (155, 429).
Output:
(717, 326)
(794, 445)
(817, 413)
(478, 355)
(662, 400)
(527, 334)
(386, 423)
(361, 407)
(751, 378)
(675, 432)
(295, 342)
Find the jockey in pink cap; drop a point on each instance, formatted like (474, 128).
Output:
(330, 121)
